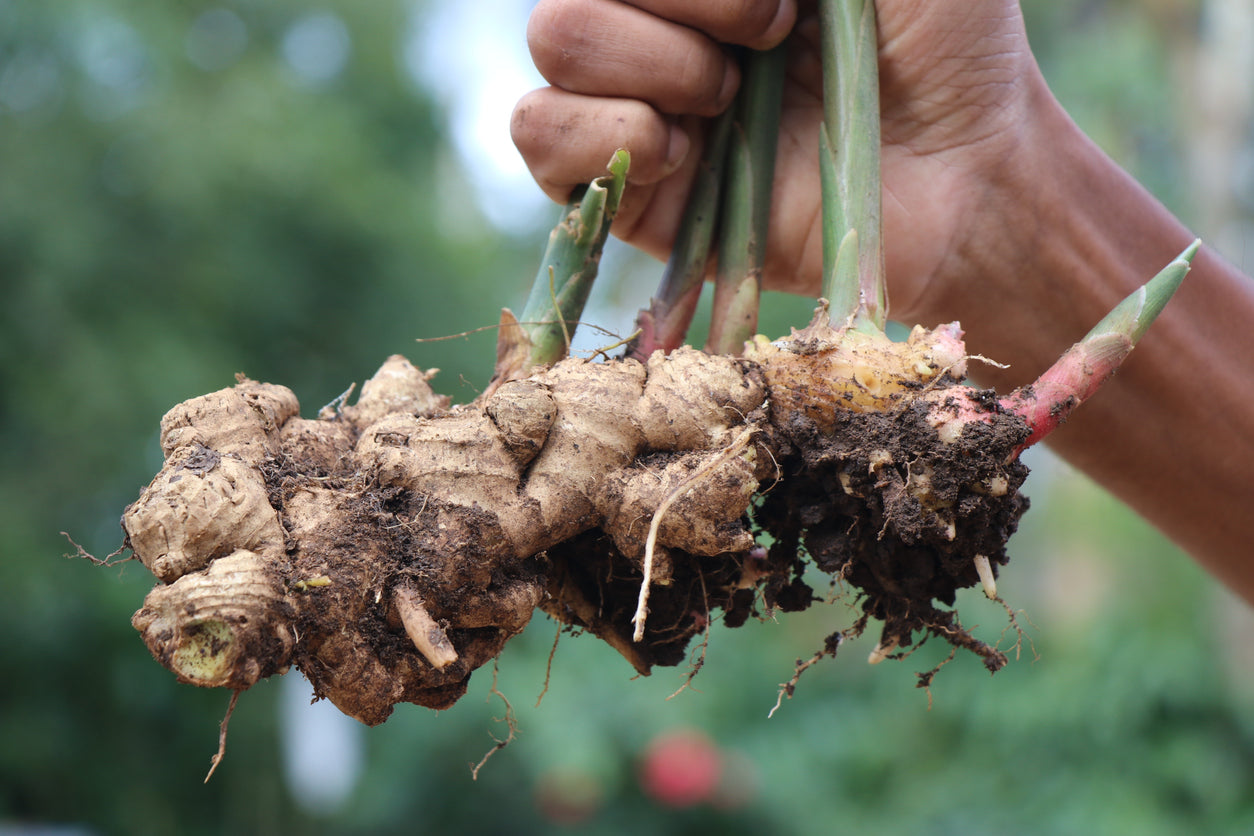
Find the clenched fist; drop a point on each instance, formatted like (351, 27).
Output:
(957, 82)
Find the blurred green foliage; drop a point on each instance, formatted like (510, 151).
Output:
(178, 204)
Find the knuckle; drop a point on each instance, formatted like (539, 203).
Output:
(523, 122)
(556, 32)
(699, 83)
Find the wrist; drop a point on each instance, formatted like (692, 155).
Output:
(1056, 234)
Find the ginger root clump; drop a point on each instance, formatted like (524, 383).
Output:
(389, 548)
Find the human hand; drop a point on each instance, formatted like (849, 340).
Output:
(957, 89)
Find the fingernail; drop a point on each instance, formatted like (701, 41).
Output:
(731, 83)
(785, 18)
(676, 148)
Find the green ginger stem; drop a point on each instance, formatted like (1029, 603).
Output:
(849, 165)
(570, 263)
(665, 324)
(746, 205)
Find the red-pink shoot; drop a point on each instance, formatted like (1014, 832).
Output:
(1045, 404)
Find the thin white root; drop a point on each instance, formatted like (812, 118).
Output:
(985, 571)
(427, 636)
(985, 361)
(333, 408)
(881, 652)
(650, 543)
(226, 721)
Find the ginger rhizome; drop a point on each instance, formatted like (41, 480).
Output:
(389, 548)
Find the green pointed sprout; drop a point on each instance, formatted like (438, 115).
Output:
(1046, 403)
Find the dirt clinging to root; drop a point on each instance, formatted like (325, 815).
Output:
(900, 520)
(389, 548)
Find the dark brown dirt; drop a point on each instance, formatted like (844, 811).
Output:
(387, 538)
(842, 504)
(845, 500)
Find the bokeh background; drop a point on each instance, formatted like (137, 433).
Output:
(296, 190)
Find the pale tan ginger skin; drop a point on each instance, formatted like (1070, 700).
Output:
(387, 548)
(539, 462)
(215, 443)
(546, 484)
(820, 369)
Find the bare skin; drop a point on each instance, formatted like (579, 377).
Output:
(999, 212)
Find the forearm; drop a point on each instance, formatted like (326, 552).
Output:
(1173, 432)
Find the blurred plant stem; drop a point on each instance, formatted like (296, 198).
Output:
(746, 205)
(665, 324)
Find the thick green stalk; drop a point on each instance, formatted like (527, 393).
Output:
(849, 165)
(746, 209)
(665, 324)
(570, 265)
